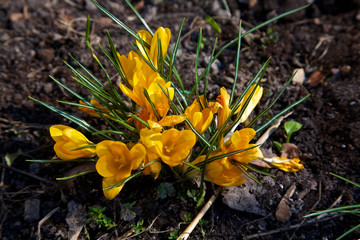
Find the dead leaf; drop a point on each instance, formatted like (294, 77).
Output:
(283, 211)
(260, 163)
(316, 78)
(140, 5)
(290, 151)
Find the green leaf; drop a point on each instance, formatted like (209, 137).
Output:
(292, 126)
(213, 24)
(278, 145)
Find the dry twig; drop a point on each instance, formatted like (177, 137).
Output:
(196, 220)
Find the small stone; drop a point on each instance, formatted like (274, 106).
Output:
(127, 214)
(299, 77)
(76, 219)
(46, 55)
(32, 210)
(242, 198)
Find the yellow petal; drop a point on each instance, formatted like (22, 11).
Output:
(56, 132)
(146, 37)
(103, 148)
(285, 164)
(253, 102)
(138, 153)
(230, 176)
(172, 120)
(164, 35)
(111, 193)
(106, 166)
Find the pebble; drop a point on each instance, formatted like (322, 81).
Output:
(46, 55)
(76, 219)
(32, 210)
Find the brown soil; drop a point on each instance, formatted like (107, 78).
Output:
(36, 36)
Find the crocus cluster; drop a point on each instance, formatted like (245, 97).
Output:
(166, 137)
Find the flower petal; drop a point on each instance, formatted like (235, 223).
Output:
(110, 194)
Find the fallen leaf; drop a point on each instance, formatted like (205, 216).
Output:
(316, 78)
(260, 163)
(283, 211)
(290, 151)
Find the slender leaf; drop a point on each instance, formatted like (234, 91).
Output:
(236, 65)
(77, 175)
(268, 123)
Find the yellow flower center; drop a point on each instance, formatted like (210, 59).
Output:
(169, 148)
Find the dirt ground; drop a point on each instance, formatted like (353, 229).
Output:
(323, 40)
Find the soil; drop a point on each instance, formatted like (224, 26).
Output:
(323, 40)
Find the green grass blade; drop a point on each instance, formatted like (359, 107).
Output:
(236, 65)
(268, 123)
(75, 119)
(271, 104)
(76, 175)
(213, 24)
(140, 120)
(229, 44)
(182, 96)
(235, 123)
(174, 52)
(142, 20)
(248, 174)
(87, 32)
(203, 74)
(60, 160)
(207, 71)
(116, 20)
(197, 64)
(348, 232)
(346, 180)
(122, 183)
(109, 132)
(70, 90)
(254, 169)
(257, 78)
(338, 209)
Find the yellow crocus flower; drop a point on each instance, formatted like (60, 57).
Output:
(240, 140)
(151, 84)
(223, 110)
(131, 65)
(172, 145)
(200, 119)
(153, 168)
(67, 139)
(162, 34)
(285, 164)
(224, 171)
(223, 100)
(116, 162)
